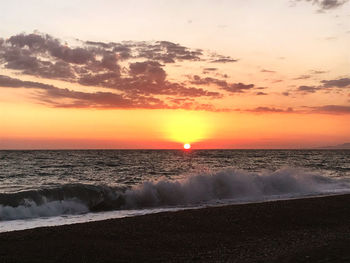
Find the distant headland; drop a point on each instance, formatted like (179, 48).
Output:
(339, 146)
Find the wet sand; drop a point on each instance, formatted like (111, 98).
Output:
(304, 230)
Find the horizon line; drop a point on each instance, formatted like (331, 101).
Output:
(168, 149)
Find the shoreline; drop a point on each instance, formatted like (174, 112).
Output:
(42, 222)
(310, 229)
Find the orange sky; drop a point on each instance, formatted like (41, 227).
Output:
(256, 75)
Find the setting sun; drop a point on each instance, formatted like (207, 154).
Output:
(187, 146)
(187, 126)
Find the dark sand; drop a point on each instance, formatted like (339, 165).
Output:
(305, 230)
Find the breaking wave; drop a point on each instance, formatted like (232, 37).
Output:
(226, 186)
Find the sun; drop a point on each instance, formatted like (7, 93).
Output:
(186, 126)
(187, 146)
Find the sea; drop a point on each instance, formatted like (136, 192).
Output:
(56, 187)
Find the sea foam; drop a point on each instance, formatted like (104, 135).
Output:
(224, 186)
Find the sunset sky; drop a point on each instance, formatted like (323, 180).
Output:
(158, 74)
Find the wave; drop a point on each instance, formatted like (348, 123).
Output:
(31, 209)
(226, 185)
(60, 200)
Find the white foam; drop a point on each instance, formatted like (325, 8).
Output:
(51, 208)
(21, 224)
(232, 184)
(217, 188)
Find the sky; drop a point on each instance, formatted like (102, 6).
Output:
(158, 74)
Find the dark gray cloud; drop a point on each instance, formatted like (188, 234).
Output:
(324, 109)
(336, 83)
(99, 64)
(239, 87)
(44, 56)
(100, 79)
(150, 70)
(197, 80)
(37, 54)
(58, 97)
(224, 60)
(260, 93)
(210, 69)
(270, 110)
(9, 82)
(332, 109)
(217, 58)
(79, 99)
(19, 60)
(267, 71)
(326, 4)
(141, 86)
(326, 85)
(223, 84)
(134, 72)
(308, 89)
(318, 71)
(115, 101)
(45, 43)
(302, 77)
(145, 81)
(165, 52)
(277, 80)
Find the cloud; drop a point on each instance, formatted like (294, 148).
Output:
(324, 109)
(330, 4)
(224, 60)
(210, 69)
(145, 84)
(332, 109)
(308, 89)
(100, 79)
(326, 4)
(217, 58)
(45, 43)
(326, 85)
(67, 98)
(99, 64)
(330, 38)
(336, 83)
(101, 100)
(277, 80)
(302, 77)
(318, 71)
(8, 82)
(267, 71)
(223, 84)
(270, 110)
(58, 97)
(197, 80)
(129, 74)
(151, 70)
(42, 55)
(239, 87)
(260, 93)
(165, 51)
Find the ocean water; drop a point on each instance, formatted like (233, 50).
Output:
(44, 188)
